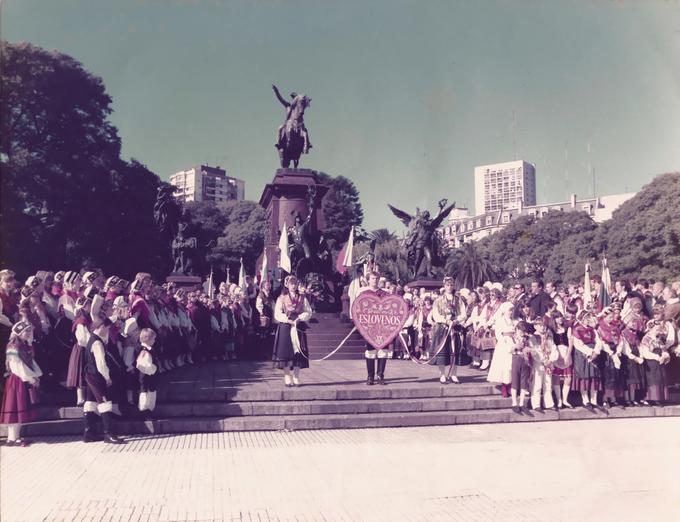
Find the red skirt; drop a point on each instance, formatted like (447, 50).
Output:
(76, 368)
(16, 403)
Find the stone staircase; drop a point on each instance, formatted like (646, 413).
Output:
(314, 407)
(326, 332)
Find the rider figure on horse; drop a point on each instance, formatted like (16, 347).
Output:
(295, 119)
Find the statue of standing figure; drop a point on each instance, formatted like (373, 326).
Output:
(292, 137)
(421, 243)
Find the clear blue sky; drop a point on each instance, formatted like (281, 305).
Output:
(408, 96)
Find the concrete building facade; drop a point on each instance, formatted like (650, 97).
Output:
(206, 183)
(462, 227)
(504, 186)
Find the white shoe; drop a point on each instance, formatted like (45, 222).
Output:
(442, 379)
(484, 366)
(454, 379)
(296, 381)
(287, 380)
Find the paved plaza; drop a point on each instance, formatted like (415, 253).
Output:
(618, 470)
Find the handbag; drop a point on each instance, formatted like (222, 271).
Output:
(488, 341)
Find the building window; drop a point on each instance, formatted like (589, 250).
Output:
(489, 220)
(506, 218)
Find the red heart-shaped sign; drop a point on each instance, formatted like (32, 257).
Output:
(379, 317)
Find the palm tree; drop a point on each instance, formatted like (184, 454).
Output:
(468, 267)
(381, 235)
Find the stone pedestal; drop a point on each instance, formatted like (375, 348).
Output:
(284, 196)
(429, 284)
(185, 282)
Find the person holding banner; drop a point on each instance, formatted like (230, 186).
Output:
(371, 353)
(292, 311)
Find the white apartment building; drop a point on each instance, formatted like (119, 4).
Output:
(205, 183)
(504, 186)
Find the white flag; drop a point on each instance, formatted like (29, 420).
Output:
(587, 295)
(284, 258)
(264, 273)
(242, 277)
(349, 250)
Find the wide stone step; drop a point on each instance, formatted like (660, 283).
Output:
(327, 392)
(359, 420)
(236, 409)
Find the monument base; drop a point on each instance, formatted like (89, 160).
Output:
(185, 282)
(429, 284)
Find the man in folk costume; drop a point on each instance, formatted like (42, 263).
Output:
(129, 343)
(446, 315)
(371, 353)
(610, 333)
(587, 346)
(523, 345)
(655, 348)
(292, 312)
(99, 386)
(264, 304)
(635, 324)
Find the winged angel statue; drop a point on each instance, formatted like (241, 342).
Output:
(422, 242)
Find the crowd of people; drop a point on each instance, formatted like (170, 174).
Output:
(547, 342)
(108, 339)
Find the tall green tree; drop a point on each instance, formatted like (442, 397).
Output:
(522, 250)
(642, 239)
(342, 209)
(243, 225)
(68, 199)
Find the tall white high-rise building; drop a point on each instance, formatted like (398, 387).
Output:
(205, 183)
(502, 186)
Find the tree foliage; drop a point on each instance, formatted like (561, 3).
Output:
(642, 238)
(68, 199)
(237, 227)
(523, 249)
(342, 209)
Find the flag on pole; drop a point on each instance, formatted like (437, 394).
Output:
(587, 296)
(346, 254)
(208, 287)
(228, 277)
(264, 273)
(284, 258)
(603, 296)
(242, 277)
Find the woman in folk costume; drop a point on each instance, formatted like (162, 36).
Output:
(424, 327)
(587, 377)
(147, 365)
(655, 349)
(444, 343)
(500, 371)
(635, 325)
(561, 359)
(130, 344)
(187, 331)
(218, 329)
(80, 328)
(542, 367)
(264, 305)
(609, 331)
(488, 339)
(139, 305)
(24, 375)
(292, 311)
(472, 325)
